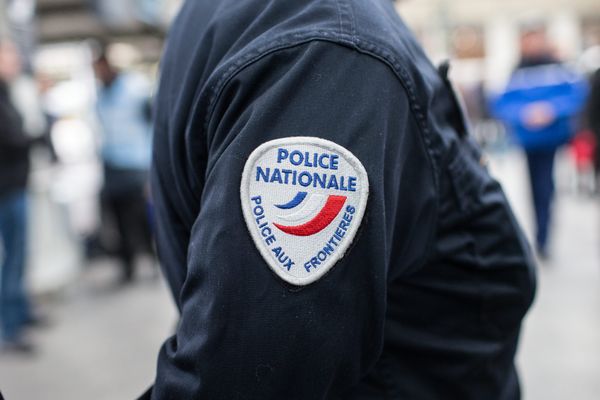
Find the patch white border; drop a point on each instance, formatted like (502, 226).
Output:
(249, 219)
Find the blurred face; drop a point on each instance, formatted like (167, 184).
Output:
(534, 44)
(103, 71)
(44, 83)
(10, 62)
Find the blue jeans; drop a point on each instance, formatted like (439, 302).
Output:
(541, 174)
(14, 305)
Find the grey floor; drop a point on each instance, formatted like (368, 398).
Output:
(103, 342)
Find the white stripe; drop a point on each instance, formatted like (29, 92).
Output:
(314, 203)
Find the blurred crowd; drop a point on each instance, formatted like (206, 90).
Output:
(122, 150)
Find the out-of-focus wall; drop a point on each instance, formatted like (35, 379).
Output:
(3, 22)
(435, 21)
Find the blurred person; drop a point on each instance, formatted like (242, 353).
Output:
(124, 115)
(15, 311)
(593, 116)
(323, 216)
(539, 105)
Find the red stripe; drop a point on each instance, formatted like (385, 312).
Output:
(327, 214)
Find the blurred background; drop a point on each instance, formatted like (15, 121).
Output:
(100, 309)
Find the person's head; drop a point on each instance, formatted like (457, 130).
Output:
(44, 83)
(10, 61)
(534, 42)
(103, 69)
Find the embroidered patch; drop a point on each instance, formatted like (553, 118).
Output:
(303, 199)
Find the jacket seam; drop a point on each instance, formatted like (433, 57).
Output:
(421, 119)
(346, 14)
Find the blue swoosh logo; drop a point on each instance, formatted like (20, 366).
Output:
(299, 198)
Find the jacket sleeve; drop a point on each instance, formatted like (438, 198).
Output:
(244, 333)
(12, 136)
(572, 102)
(567, 99)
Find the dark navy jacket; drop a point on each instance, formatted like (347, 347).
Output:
(426, 304)
(14, 146)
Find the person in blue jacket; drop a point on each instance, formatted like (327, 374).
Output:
(323, 217)
(539, 106)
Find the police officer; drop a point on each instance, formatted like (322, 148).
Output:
(539, 106)
(323, 217)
